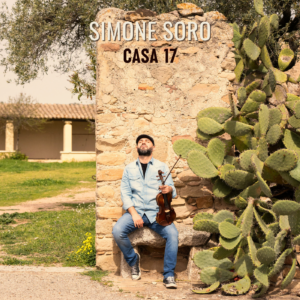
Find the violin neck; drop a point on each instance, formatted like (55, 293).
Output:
(167, 206)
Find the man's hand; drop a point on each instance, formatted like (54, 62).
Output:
(165, 189)
(137, 220)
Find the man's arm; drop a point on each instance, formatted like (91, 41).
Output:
(126, 196)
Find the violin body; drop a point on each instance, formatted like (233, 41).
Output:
(166, 214)
(165, 217)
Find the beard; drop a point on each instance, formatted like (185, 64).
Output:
(145, 152)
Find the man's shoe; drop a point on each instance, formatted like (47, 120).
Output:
(170, 283)
(135, 269)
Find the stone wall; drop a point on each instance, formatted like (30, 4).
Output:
(161, 99)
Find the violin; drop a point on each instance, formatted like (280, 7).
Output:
(166, 214)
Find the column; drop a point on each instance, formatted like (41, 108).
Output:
(9, 136)
(68, 136)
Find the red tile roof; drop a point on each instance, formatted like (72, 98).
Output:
(51, 111)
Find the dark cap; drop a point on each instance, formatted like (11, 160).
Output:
(145, 136)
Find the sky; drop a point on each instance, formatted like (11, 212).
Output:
(51, 88)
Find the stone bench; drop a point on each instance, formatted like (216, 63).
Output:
(187, 236)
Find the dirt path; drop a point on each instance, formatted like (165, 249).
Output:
(79, 195)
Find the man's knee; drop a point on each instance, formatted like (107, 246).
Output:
(172, 233)
(117, 231)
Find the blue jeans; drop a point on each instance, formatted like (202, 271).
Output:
(125, 225)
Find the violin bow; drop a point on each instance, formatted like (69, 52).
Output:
(171, 169)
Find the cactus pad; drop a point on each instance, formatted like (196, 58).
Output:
(275, 116)
(245, 160)
(295, 173)
(285, 57)
(261, 274)
(280, 262)
(230, 244)
(294, 122)
(202, 216)
(266, 255)
(285, 207)
(222, 215)
(263, 185)
(296, 240)
(208, 290)
(228, 230)
(265, 57)
(182, 147)
(257, 164)
(216, 151)
(251, 49)
(278, 241)
(279, 76)
(262, 149)
(239, 287)
(294, 222)
(201, 165)
(225, 168)
(274, 134)
(249, 107)
(221, 253)
(291, 140)
(209, 126)
(258, 96)
(219, 114)
(239, 179)
(240, 202)
(220, 188)
(253, 86)
(242, 95)
(282, 160)
(206, 225)
(290, 276)
(253, 190)
(212, 274)
(204, 259)
(252, 251)
(244, 266)
(270, 240)
(236, 128)
(260, 222)
(263, 115)
(247, 221)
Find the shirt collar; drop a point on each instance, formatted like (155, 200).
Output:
(151, 160)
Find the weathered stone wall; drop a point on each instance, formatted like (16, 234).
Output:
(161, 99)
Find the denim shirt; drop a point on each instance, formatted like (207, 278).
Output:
(141, 192)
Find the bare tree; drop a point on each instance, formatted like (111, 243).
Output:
(23, 111)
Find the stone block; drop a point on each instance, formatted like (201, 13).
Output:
(203, 89)
(205, 202)
(188, 176)
(105, 118)
(144, 87)
(130, 116)
(192, 270)
(194, 191)
(120, 130)
(109, 174)
(109, 212)
(110, 47)
(105, 244)
(104, 226)
(105, 192)
(184, 211)
(111, 158)
(228, 64)
(229, 76)
(108, 262)
(162, 74)
(141, 123)
(178, 201)
(159, 121)
(110, 144)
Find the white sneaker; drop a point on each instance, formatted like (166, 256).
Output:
(135, 269)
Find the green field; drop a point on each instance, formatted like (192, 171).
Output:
(49, 236)
(22, 180)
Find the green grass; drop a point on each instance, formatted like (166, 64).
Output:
(96, 275)
(22, 181)
(48, 237)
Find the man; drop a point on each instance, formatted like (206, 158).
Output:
(139, 188)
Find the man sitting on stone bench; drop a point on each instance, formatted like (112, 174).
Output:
(139, 188)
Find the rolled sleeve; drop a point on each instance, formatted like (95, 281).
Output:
(126, 193)
(170, 182)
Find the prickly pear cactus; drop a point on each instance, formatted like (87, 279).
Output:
(264, 124)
